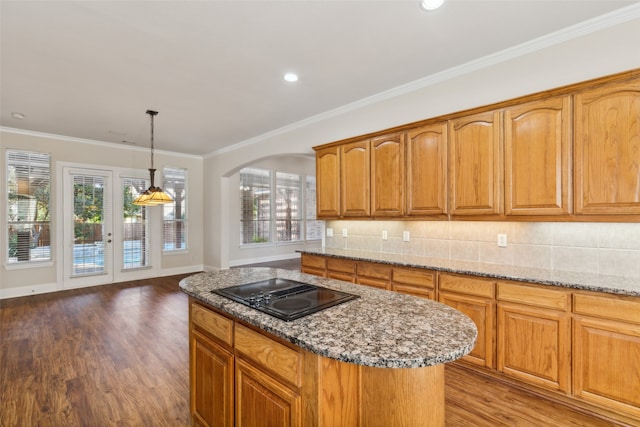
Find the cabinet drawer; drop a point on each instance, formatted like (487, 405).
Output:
(342, 265)
(379, 271)
(215, 324)
(555, 299)
(619, 307)
(414, 277)
(467, 285)
(269, 354)
(374, 282)
(312, 261)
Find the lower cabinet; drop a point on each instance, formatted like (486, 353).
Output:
(475, 298)
(606, 352)
(414, 281)
(534, 335)
(374, 275)
(313, 264)
(263, 401)
(341, 269)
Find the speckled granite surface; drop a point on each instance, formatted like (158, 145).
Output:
(380, 329)
(567, 279)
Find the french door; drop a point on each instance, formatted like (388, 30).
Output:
(106, 237)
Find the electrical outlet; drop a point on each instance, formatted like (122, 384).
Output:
(405, 236)
(502, 240)
(384, 235)
(329, 232)
(344, 232)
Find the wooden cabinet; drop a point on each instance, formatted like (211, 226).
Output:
(387, 175)
(313, 264)
(606, 351)
(534, 335)
(328, 182)
(426, 170)
(414, 281)
(537, 150)
(475, 167)
(374, 275)
(341, 269)
(474, 297)
(607, 149)
(211, 368)
(268, 377)
(354, 180)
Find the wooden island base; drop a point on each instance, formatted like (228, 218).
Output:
(242, 376)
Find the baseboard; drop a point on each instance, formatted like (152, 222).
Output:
(23, 291)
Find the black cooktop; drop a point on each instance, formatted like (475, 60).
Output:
(284, 298)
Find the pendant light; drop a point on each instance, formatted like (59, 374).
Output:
(152, 195)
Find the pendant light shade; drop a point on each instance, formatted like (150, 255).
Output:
(153, 195)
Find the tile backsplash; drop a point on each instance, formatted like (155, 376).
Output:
(604, 248)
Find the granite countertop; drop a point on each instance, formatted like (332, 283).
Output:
(380, 329)
(567, 279)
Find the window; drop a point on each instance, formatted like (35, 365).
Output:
(28, 206)
(174, 236)
(136, 248)
(284, 215)
(255, 205)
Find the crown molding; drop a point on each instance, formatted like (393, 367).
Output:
(113, 145)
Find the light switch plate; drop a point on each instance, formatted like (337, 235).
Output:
(502, 240)
(405, 236)
(329, 232)
(344, 232)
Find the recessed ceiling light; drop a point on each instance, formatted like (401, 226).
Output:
(430, 4)
(291, 77)
(18, 116)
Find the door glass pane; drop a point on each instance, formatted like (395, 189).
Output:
(135, 242)
(88, 215)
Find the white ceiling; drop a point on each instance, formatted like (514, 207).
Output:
(213, 69)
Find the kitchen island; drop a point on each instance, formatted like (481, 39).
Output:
(374, 361)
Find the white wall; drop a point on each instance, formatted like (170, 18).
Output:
(27, 281)
(569, 57)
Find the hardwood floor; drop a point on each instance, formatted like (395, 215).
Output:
(117, 355)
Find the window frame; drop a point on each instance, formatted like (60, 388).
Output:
(12, 186)
(169, 189)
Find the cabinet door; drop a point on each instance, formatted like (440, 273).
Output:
(387, 175)
(482, 312)
(475, 168)
(354, 179)
(312, 264)
(328, 182)
(263, 401)
(426, 170)
(607, 149)
(212, 378)
(606, 367)
(534, 345)
(537, 138)
(414, 281)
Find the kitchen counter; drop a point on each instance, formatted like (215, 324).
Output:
(380, 329)
(567, 279)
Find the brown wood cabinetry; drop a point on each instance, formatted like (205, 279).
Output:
(537, 148)
(474, 297)
(374, 274)
(426, 170)
(606, 351)
(607, 149)
(475, 166)
(313, 264)
(328, 182)
(354, 180)
(211, 370)
(534, 335)
(414, 281)
(387, 175)
(341, 269)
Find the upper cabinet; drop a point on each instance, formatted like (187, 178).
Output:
(568, 154)
(387, 175)
(475, 167)
(607, 149)
(328, 182)
(537, 152)
(426, 170)
(354, 179)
